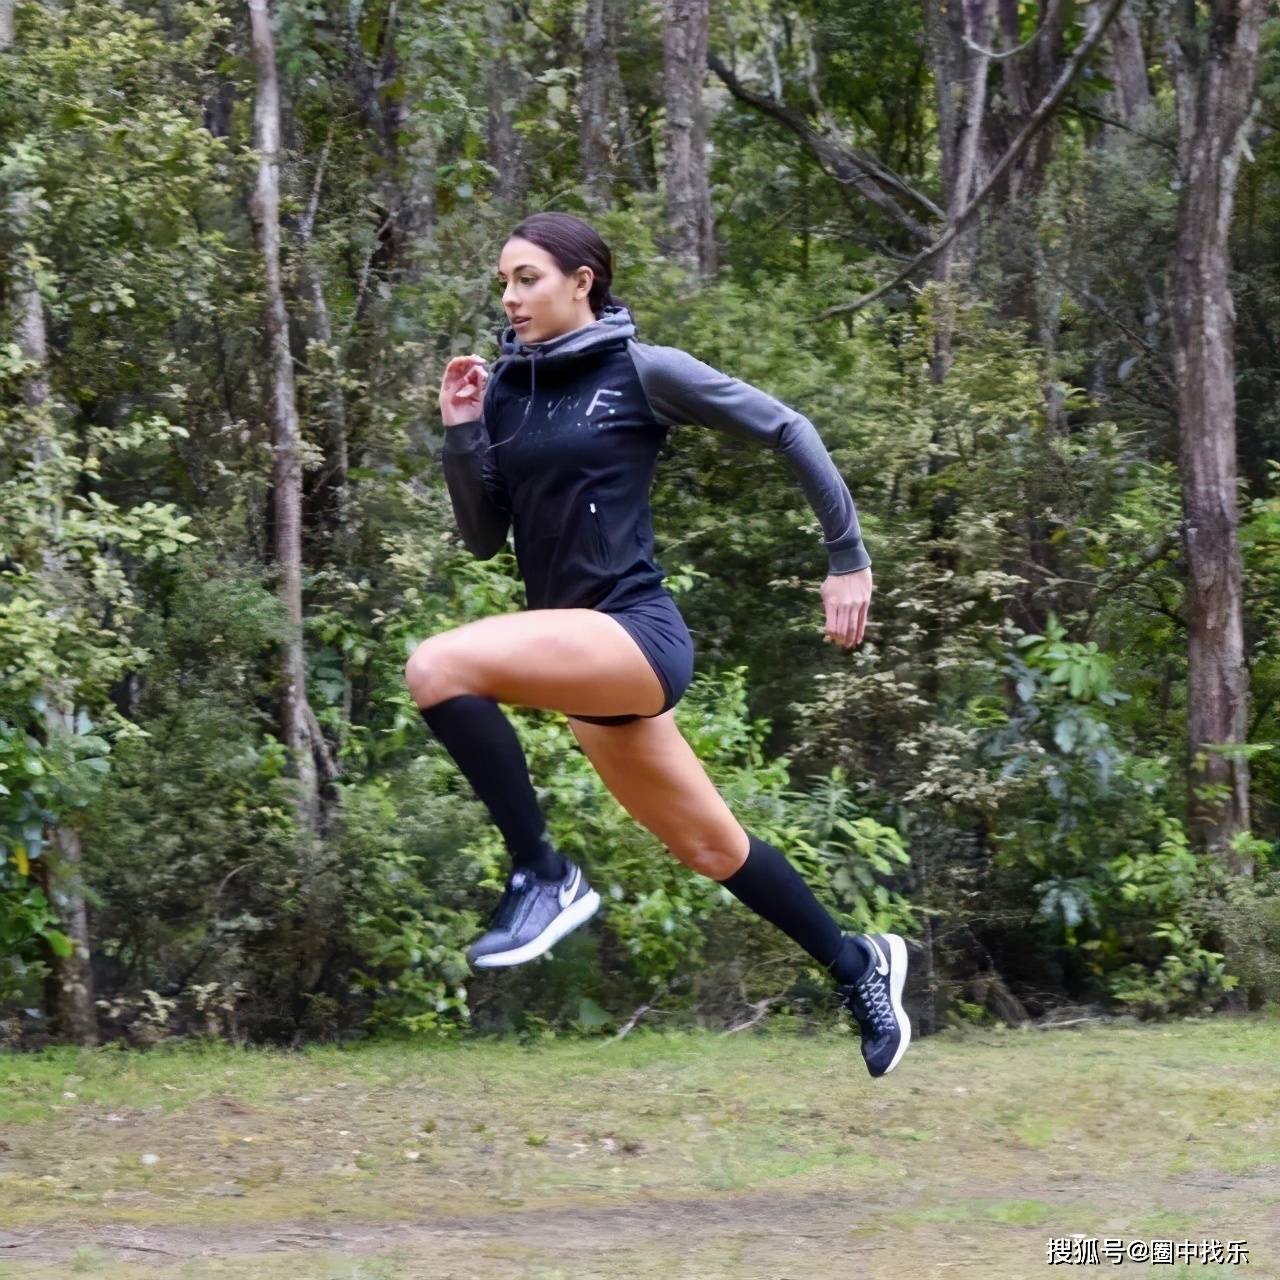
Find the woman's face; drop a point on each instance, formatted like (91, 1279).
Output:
(539, 299)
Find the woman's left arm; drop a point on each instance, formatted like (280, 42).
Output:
(681, 389)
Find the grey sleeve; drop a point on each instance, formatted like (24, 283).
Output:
(481, 504)
(681, 389)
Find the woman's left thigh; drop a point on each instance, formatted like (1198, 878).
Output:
(569, 660)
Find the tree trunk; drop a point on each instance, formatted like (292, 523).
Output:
(634, 151)
(593, 137)
(402, 140)
(296, 715)
(506, 153)
(960, 129)
(1126, 68)
(64, 886)
(318, 330)
(336, 474)
(1128, 102)
(691, 238)
(60, 877)
(1213, 70)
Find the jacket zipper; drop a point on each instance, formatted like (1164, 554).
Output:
(601, 541)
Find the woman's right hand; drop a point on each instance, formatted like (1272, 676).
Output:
(462, 390)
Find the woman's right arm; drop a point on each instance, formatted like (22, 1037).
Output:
(481, 503)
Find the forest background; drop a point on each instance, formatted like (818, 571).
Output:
(1016, 261)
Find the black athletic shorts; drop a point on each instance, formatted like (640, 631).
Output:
(658, 628)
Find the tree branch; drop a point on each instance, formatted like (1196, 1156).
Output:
(1051, 19)
(328, 767)
(667, 987)
(1120, 124)
(849, 166)
(1150, 556)
(1039, 117)
(761, 1007)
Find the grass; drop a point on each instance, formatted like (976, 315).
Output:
(661, 1155)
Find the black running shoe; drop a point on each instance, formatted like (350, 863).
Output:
(875, 1001)
(532, 915)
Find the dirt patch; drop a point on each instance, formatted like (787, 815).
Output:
(753, 1158)
(755, 1234)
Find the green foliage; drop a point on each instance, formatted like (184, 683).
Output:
(1260, 546)
(39, 783)
(26, 919)
(406, 911)
(1118, 883)
(191, 846)
(109, 165)
(1245, 914)
(194, 853)
(1156, 891)
(1085, 672)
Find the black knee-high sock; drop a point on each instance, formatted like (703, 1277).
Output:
(483, 742)
(774, 889)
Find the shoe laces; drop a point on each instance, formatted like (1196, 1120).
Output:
(868, 998)
(518, 884)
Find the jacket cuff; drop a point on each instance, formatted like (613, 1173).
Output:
(848, 559)
(465, 436)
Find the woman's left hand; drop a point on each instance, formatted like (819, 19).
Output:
(847, 597)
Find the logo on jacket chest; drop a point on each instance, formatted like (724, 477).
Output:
(598, 400)
(564, 410)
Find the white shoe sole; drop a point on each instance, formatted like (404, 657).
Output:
(570, 918)
(897, 977)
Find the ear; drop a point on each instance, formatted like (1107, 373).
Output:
(586, 278)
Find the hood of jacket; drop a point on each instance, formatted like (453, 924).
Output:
(612, 326)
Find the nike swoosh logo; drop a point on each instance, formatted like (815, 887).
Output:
(567, 891)
(882, 961)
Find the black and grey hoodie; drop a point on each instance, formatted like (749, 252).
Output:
(565, 451)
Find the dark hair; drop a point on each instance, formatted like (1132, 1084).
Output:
(573, 244)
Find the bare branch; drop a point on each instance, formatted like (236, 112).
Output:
(1120, 124)
(761, 1007)
(1002, 55)
(850, 166)
(663, 990)
(1039, 117)
(328, 767)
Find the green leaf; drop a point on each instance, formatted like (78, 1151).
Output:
(59, 941)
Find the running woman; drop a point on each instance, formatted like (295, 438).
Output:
(558, 442)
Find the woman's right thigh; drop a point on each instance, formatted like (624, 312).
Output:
(657, 778)
(569, 660)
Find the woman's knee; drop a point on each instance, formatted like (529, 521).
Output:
(432, 673)
(714, 855)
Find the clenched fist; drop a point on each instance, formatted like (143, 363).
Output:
(846, 597)
(462, 390)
